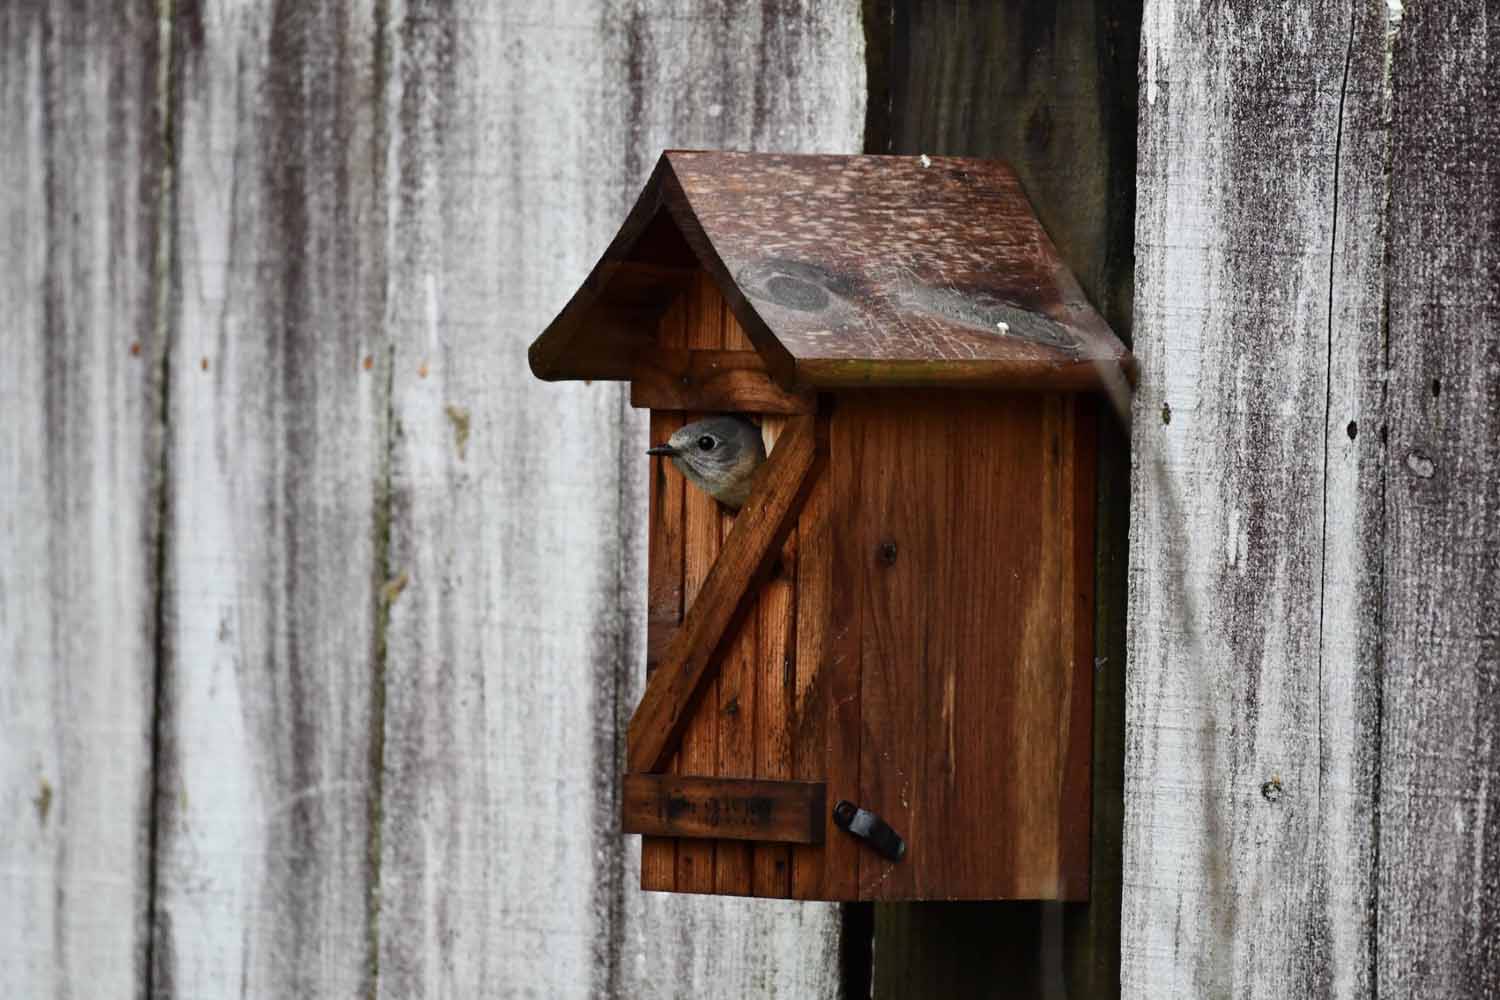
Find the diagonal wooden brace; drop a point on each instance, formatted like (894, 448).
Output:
(753, 544)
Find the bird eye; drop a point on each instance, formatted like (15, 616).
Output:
(706, 442)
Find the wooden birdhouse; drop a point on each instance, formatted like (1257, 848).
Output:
(873, 681)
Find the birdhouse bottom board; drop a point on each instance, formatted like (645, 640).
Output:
(920, 647)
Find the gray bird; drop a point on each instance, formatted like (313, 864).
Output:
(719, 455)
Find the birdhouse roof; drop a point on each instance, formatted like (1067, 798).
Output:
(844, 271)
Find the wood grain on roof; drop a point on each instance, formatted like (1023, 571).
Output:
(844, 271)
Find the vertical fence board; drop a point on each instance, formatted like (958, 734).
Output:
(1261, 567)
(697, 860)
(277, 425)
(1050, 88)
(1439, 833)
(1337, 957)
(735, 76)
(82, 165)
(517, 142)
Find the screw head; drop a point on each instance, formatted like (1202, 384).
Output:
(886, 553)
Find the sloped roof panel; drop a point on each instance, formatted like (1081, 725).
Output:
(845, 271)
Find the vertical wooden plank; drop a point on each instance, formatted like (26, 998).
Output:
(886, 459)
(797, 84)
(826, 718)
(518, 515)
(775, 682)
(738, 700)
(664, 588)
(735, 709)
(1354, 444)
(517, 141)
(1253, 722)
(1051, 89)
(702, 534)
(271, 669)
(82, 208)
(1439, 795)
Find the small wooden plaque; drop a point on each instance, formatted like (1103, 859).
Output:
(675, 805)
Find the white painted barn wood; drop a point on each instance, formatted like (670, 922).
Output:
(276, 435)
(1252, 733)
(518, 138)
(81, 164)
(1313, 704)
(1439, 846)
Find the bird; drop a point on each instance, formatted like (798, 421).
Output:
(719, 455)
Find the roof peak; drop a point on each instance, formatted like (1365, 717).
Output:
(844, 271)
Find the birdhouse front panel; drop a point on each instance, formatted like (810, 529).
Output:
(870, 622)
(763, 714)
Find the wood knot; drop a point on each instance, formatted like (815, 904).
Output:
(792, 284)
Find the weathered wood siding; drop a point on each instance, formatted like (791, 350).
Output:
(1438, 840)
(80, 347)
(276, 430)
(405, 580)
(518, 509)
(317, 624)
(270, 274)
(1312, 759)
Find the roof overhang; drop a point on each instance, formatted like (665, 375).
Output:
(845, 271)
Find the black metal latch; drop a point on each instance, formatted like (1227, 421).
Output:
(870, 828)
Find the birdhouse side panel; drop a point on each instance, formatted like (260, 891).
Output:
(966, 522)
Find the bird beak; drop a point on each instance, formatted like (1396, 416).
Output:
(662, 449)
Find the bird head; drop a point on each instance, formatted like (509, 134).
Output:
(719, 455)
